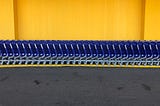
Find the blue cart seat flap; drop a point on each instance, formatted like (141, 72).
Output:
(15, 48)
(80, 52)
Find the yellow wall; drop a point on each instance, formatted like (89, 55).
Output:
(80, 19)
(6, 20)
(152, 20)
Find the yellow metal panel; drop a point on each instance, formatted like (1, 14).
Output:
(6, 20)
(80, 19)
(152, 20)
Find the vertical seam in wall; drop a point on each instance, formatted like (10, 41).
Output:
(15, 19)
(143, 20)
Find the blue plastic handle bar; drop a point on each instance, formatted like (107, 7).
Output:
(143, 53)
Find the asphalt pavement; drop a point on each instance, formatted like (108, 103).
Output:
(79, 86)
